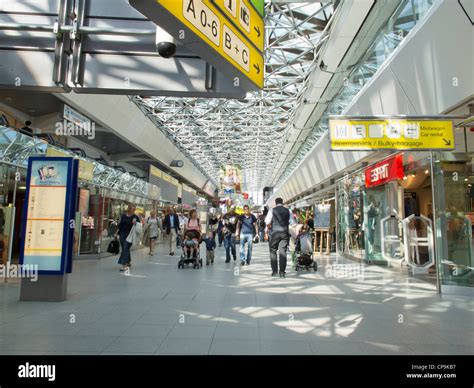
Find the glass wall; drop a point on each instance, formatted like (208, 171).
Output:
(350, 215)
(11, 209)
(454, 180)
(112, 204)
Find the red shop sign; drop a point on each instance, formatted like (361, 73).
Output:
(385, 171)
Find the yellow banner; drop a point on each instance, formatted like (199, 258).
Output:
(398, 134)
(211, 24)
(245, 18)
(86, 169)
(155, 171)
(165, 177)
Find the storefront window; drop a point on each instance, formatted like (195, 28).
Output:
(399, 187)
(454, 177)
(376, 208)
(88, 207)
(351, 215)
(11, 209)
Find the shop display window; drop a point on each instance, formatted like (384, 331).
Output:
(454, 177)
(351, 215)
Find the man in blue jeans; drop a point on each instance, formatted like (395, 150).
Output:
(246, 229)
(229, 230)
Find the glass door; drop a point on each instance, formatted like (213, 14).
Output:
(453, 181)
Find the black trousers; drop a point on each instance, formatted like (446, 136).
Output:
(279, 242)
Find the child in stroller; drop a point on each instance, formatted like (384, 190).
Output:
(191, 253)
(304, 251)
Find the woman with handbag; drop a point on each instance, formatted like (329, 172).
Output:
(152, 230)
(127, 235)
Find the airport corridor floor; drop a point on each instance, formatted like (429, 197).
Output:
(228, 309)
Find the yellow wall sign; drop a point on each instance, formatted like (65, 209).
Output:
(245, 18)
(399, 134)
(155, 171)
(217, 29)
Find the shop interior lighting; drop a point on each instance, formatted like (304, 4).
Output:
(427, 172)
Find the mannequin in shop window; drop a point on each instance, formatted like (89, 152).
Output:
(372, 215)
(459, 236)
(411, 205)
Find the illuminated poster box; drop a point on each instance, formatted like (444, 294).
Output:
(48, 218)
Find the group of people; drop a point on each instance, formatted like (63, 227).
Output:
(230, 229)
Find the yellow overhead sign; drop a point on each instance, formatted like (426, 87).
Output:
(155, 171)
(231, 50)
(399, 134)
(245, 18)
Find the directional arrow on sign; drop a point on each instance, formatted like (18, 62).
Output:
(447, 142)
(257, 30)
(257, 67)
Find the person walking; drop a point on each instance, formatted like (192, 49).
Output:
(159, 224)
(213, 224)
(152, 224)
(230, 234)
(210, 247)
(127, 223)
(220, 227)
(172, 228)
(278, 221)
(246, 230)
(261, 227)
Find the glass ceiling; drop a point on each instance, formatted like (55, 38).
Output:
(250, 132)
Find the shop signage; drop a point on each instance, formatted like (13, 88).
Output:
(233, 44)
(395, 134)
(155, 171)
(46, 224)
(168, 186)
(76, 118)
(384, 171)
(245, 18)
(259, 6)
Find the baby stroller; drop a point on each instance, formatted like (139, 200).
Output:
(191, 253)
(304, 252)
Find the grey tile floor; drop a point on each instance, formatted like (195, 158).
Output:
(228, 309)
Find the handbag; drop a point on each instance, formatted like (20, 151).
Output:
(131, 236)
(114, 247)
(146, 233)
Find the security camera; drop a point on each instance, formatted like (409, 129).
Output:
(166, 49)
(165, 43)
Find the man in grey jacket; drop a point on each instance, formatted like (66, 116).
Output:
(278, 221)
